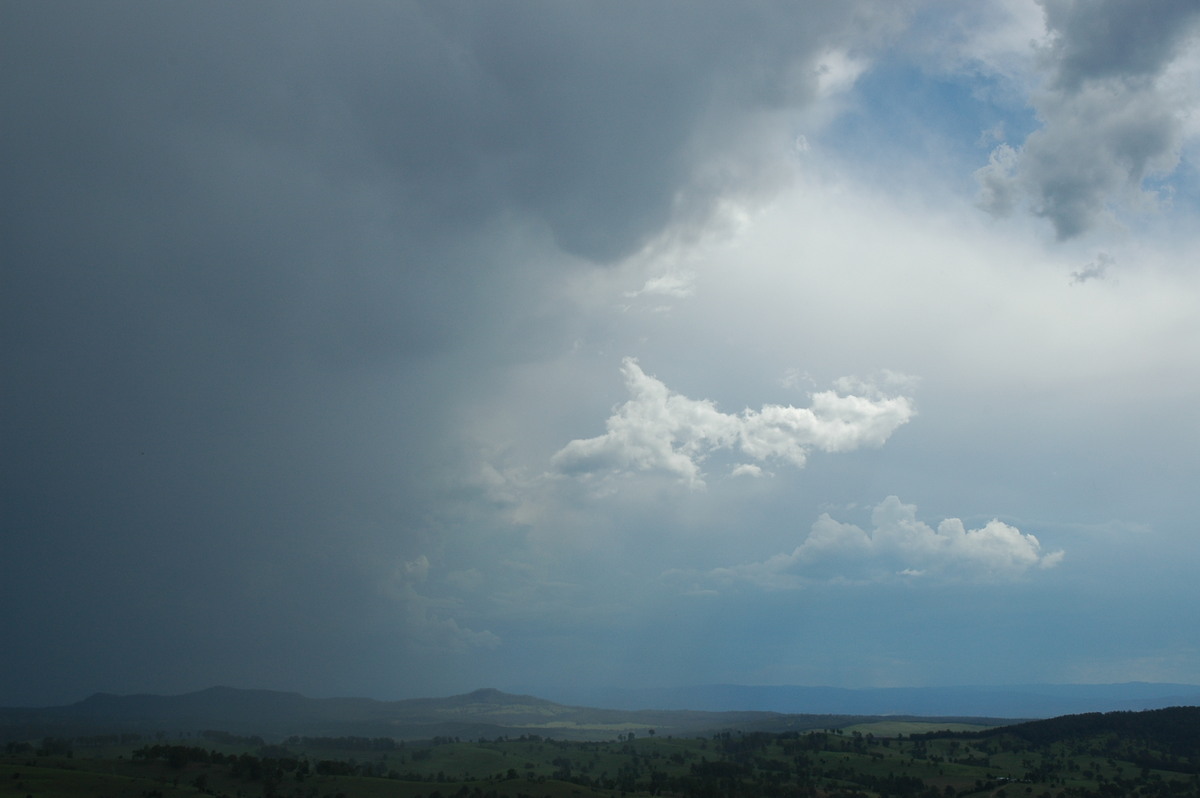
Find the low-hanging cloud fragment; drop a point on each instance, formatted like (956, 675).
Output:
(658, 430)
(1110, 117)
(428, 623)
(1096, 270)
(898, 546)
(677, 284)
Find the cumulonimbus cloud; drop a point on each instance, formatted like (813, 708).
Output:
(659, 430)
(898, 546)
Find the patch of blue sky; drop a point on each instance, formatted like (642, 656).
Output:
(1178, 191)
(945, 122)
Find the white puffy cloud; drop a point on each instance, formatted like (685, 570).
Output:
(897, 545)
(659, 430)
(1112, 113)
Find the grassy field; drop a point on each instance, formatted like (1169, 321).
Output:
(893, 728)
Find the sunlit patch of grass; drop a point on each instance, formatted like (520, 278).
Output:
(894, 728)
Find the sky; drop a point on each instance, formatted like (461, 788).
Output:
(399, 349)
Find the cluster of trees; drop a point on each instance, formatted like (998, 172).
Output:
(245, 765)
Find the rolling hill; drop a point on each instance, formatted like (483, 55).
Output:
(484, 713)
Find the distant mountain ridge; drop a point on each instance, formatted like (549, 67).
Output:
(490, 713)
(483, 713)
(1013, 701)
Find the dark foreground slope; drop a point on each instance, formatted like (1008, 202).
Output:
(1172, 734)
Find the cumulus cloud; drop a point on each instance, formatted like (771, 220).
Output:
(897, 546)
(658, 430)
(1109, 119)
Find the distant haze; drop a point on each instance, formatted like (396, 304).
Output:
(1012, 701)
(491, 713)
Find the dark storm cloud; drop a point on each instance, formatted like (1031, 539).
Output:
(1119, 39)
(251, 255)
(581, 115)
